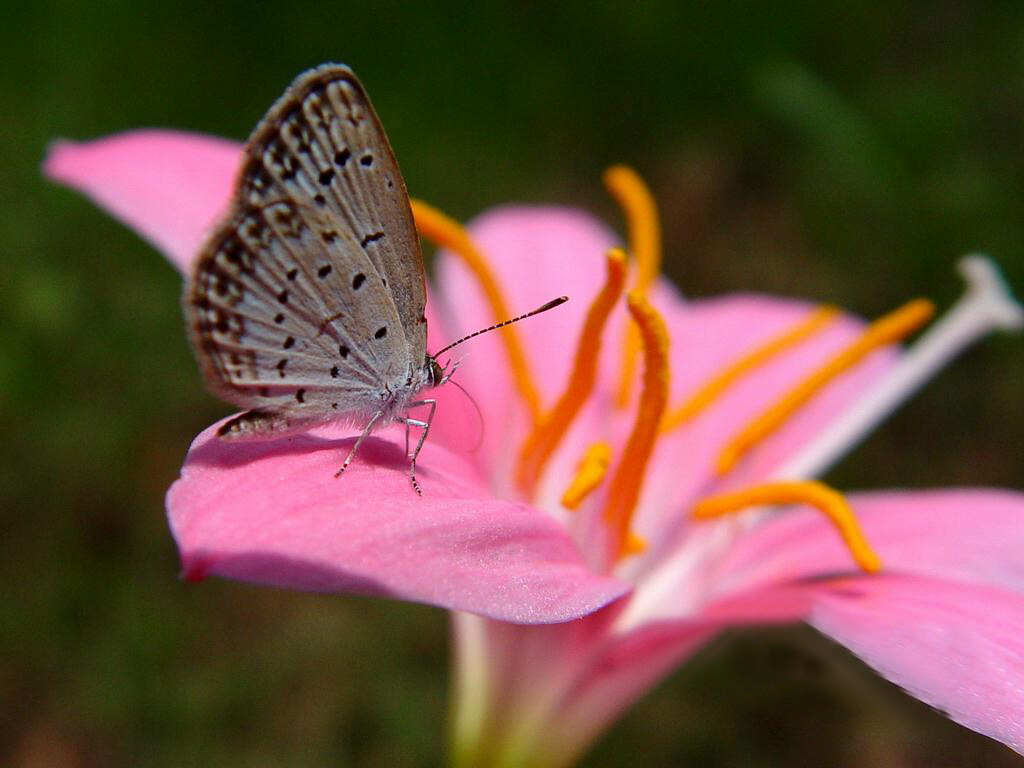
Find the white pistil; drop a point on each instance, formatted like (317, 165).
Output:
(986, 306)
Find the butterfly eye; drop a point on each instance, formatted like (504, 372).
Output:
(436, 372)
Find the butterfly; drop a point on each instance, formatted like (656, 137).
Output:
(306, 304)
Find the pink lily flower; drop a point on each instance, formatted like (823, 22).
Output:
(589, 545)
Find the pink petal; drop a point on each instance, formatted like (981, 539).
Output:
(272, 512)
(536, 254)
(968, 535)
(170, 187)
(957, 647)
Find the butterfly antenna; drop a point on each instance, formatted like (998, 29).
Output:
(544, 308)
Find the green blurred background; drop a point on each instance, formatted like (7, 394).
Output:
(847, 151)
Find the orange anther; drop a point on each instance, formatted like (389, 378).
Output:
(644, 237)
(826, 500)
(589, 474)
(624, 490)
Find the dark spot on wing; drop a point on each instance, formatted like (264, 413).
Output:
(343, 351)
(334, 372)
(319, 199)
(326, 177)
(289, 342)
(358, 281)
(366, 161)
(283, 297)
(340, 158)
(381, 332)
(281, 366)
(329, 236)
(371, 238)
(279, 318)
(300, 395)
(293, 273)
(324, 271)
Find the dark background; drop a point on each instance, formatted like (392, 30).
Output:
(848, 152)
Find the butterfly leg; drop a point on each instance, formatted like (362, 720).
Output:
(425, 426)
(366, 431)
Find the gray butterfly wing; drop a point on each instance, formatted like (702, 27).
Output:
(308, 299)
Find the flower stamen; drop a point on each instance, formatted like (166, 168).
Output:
(628, 478)
(887, 329)
(589, 474)
(552, 427)
(722, 381)
(986, 306)
(445, 232)
(644, 236)
(826, 500)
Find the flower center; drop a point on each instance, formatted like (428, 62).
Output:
(987, 306)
